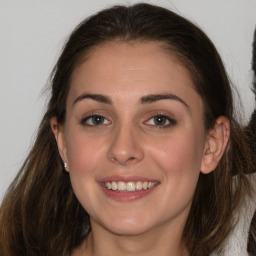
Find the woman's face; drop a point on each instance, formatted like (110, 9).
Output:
(134, 138)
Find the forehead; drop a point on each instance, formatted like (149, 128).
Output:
(132, 68)
(131, 56)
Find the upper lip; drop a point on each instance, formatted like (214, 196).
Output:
(127, 178)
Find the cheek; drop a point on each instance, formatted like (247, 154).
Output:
(84, 154)
(178, 160)
(84, 159)
(179, 155)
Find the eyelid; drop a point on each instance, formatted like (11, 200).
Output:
(91, 115)
(172, 121)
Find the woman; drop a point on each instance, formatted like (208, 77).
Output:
(138, 149)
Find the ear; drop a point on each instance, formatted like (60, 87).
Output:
(215, 145)
(58, 131)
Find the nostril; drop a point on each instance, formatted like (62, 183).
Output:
(131, 159)
(123, 161)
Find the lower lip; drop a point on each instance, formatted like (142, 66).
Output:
(126, 196)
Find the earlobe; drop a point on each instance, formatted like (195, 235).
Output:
(216, 143)
(58, 131)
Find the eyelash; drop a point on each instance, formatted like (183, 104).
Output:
(89, 121)
(171, 121)
(85, 120)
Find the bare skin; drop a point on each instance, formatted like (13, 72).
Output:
(133, 115)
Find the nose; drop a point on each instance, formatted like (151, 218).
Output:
(125, 147)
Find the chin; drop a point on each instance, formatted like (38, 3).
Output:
(127, 226)
(129, 230)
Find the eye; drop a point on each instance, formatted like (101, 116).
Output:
(161, 121)
(95, 120)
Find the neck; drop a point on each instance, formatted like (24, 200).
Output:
(101, 242)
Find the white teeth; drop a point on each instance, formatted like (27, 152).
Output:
(113, 186)
(138, 185)
(108, 185)
(129, 186)
(150, 185)
(145, 185)
(121, 186)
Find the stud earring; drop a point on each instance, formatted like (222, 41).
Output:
(65, 165)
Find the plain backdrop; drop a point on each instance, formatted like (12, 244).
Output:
(32, 34)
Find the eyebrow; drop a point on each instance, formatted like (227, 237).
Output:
(147, 99)
(151, 98)
(97, 97)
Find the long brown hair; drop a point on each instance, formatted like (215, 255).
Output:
(40, 214)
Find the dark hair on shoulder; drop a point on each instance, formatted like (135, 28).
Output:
(251, 131)
(40, 214)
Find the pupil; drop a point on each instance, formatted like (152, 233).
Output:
(160, 120)
(97, 120)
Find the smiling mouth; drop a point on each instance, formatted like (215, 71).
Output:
(130, 186)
